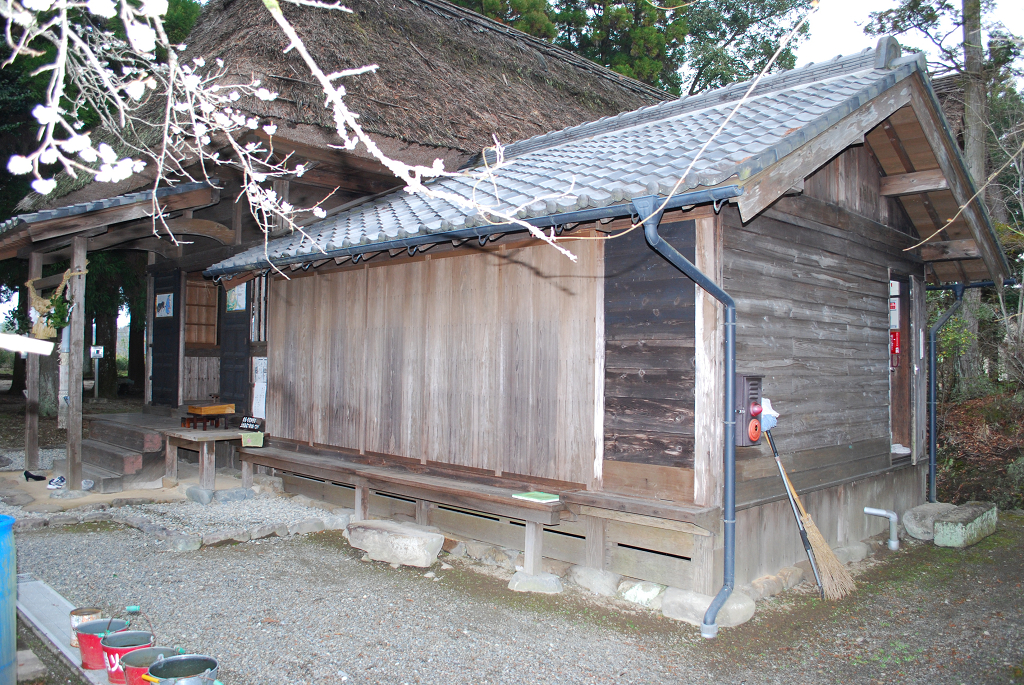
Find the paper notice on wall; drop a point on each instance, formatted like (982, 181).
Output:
(259, 389)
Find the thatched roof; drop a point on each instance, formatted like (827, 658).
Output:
(448, 80)
(447, 77)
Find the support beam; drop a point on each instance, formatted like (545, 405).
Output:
(595, 530)
(208, 465)
(75, 360)
(150, 297)
(362, 503)
(35, 270)
(950, 250)
(910, 184)
(171, 459)
(534, 551)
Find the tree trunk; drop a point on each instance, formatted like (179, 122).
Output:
(975, 103)
(18, 372)
(106, 335)
(137, 349)
(49, 383)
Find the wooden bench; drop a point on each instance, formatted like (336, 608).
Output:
(425, 489)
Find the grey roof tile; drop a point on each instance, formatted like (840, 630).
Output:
(618, 158)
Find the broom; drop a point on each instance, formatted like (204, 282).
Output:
(836, 582)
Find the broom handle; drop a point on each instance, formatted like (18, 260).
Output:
(792, 503)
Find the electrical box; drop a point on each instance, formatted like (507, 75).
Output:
(748, 392)
(894, 305)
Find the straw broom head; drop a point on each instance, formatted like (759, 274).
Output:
(836, 581)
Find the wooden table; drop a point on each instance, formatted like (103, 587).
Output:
(206, 414)
(204, 442)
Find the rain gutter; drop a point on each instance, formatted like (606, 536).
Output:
(484, 231)
(648, 208)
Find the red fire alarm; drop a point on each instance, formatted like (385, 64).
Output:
(894, 342)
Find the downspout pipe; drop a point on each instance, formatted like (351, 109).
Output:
(645, 208)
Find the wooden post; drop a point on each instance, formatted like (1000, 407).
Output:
(207, 465)
(171, 459)
(708, 437)
(182, 315)
(246, 474)
(75, 360)
(362, 505)
(534, 551)
(594, 528)
(423, 508)
(150, 304)
(35, 270)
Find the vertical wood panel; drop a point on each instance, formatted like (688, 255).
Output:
(916, 352)
(708, 435)
(483, 360)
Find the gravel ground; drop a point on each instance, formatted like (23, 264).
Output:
(305, 609)
(46, 457)
(196, 519)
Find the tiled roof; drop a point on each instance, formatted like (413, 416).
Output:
(611, 161)
(96, 205)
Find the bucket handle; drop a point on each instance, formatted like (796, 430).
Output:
(146, 676)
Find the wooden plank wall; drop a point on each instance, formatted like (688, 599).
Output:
(483, 360)
(201, 378)
(649, 351)
(811, 283)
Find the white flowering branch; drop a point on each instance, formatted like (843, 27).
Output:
(181, 117)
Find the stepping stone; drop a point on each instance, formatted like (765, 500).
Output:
(603, 583)
(395, 543)
(689, 606)
(966, 525)
(920, 521)
(30, 668)
(544, 583)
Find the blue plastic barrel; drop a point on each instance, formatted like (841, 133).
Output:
(8, 604)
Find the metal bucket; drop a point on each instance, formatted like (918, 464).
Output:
(136, 663)
(119, 644)
(81, 615)
(188, 669)
(89, 635)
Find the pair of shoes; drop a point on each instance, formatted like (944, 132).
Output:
(87, 484)
(31, 476)
(56, 483)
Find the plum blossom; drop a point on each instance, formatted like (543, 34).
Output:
(102, 8)
(44, 186)
(141, 36)
(19, 165)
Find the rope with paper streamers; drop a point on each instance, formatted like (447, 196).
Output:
(44, 328)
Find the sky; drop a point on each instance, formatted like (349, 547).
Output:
(837, 27)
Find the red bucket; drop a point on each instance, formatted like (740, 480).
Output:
(136, 664)
(116, 646)
(89, 635)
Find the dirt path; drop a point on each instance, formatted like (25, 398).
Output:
(306, 610)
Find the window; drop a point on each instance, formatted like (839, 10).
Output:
(201, 313)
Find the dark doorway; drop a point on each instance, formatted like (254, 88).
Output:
(234, 355)
(166, 338)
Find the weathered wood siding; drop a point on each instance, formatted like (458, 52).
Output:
(201, 377)
(811, 284)
(482, 360)
(649, 351)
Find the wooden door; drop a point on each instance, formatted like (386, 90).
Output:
(901, 369)
(166, 338)
(234, 356)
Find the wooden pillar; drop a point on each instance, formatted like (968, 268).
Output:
(150, 304)
(595, 530)
(35, 270)
(207, 465)
(182, 315)
(362, 504)
(171, 459)
(708, 359)
(534, 551)
(77, 287)
(246, 474)
(423, 509)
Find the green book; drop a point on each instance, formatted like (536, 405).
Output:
(542, 497)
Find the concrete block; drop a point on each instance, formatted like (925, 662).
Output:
(260, 532)
(395, 543)
(544, 583)
(604, 583)
(919, 522)
(642, 592)
(791, 576)
(689, 606)
(966, 525)
(226, 537)
(306, 526)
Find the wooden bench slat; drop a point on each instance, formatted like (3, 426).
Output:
(705, 517)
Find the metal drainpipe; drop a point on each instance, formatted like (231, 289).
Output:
(644, 207)
(958, 290)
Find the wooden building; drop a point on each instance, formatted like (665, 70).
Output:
(450, 84)
(425, 363)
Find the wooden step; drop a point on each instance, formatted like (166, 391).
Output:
(111, 457)
(128, 436)
(105, 481)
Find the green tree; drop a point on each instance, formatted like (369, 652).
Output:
(529, 16)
